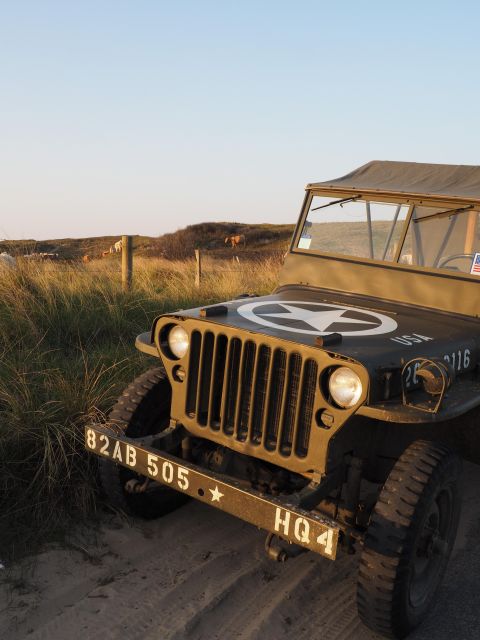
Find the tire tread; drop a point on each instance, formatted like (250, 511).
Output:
(140, 407)
(389, 538)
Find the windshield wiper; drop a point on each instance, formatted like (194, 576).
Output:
(340, 202)
(442, 214)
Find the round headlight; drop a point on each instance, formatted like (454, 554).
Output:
(178, 341)
(345, 387)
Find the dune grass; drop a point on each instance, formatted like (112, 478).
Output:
(66, 352)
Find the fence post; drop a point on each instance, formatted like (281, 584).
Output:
(198, 267)
(127, 262)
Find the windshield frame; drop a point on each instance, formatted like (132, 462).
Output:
(368, 196)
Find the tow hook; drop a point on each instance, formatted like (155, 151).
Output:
(281, 550)
(136, 486)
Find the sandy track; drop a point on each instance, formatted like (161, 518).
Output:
(199, 574)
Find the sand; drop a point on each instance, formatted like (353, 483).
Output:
(199, 574)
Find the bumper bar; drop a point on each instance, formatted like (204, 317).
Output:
(308, 529)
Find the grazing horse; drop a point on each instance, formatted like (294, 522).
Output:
(234, 241)
(118, 246)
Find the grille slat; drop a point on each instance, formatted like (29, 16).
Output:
(307, 399)
(268, 395)
(284, 407)
(251, 392)
(290, 405)
(298, 408)
(259, 394)
(216, 387)
(193, 368)
(231, 388)
(254, 376)
(275, 394)
(239, 390)
(245, 390)
(204, 382)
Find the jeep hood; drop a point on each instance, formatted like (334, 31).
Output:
(375, 333)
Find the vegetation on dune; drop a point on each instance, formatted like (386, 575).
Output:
(66, 352)
(267, 238)
(73, 248)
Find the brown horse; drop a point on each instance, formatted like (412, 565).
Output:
(235, 241)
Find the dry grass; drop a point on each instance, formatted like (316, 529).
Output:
(66, 352)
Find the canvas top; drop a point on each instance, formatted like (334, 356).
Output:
(417, 179)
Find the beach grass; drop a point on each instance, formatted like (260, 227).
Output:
(67, 335)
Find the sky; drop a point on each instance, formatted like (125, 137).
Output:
(122, 117)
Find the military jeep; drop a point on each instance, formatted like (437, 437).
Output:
(320, 413)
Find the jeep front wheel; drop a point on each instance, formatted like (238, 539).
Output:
(143, 409)
(409, 539)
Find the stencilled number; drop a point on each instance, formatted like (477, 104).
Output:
(151, 465)
(103, 450)
(326, 540)
(168, 472)
(91, 439)
(458, 359)
(182, 478)
(412, 374)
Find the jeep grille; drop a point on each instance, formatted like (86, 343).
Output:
(251, 392)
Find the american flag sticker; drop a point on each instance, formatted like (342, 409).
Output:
(476, 265)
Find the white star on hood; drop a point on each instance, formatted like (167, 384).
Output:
(319, 320)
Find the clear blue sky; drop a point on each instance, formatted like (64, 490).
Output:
(142, 117)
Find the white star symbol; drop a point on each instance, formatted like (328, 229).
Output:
(319, 320)
(216, 495)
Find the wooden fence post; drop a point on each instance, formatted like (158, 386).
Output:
(198, 268)
(127, 262)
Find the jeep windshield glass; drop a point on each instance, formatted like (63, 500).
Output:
(353, 227)
(450, 239)
(358, 228)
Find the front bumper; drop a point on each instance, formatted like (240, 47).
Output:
(308, 529)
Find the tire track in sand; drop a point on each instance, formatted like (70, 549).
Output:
(200, 574)
(120, 599)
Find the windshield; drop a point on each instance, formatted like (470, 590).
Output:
(353, 228)
(450, 242)
(363, 229)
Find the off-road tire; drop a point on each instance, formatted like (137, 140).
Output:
(141, 410)
(391, 598)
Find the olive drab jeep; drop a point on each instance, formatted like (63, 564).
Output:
(327, 413)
